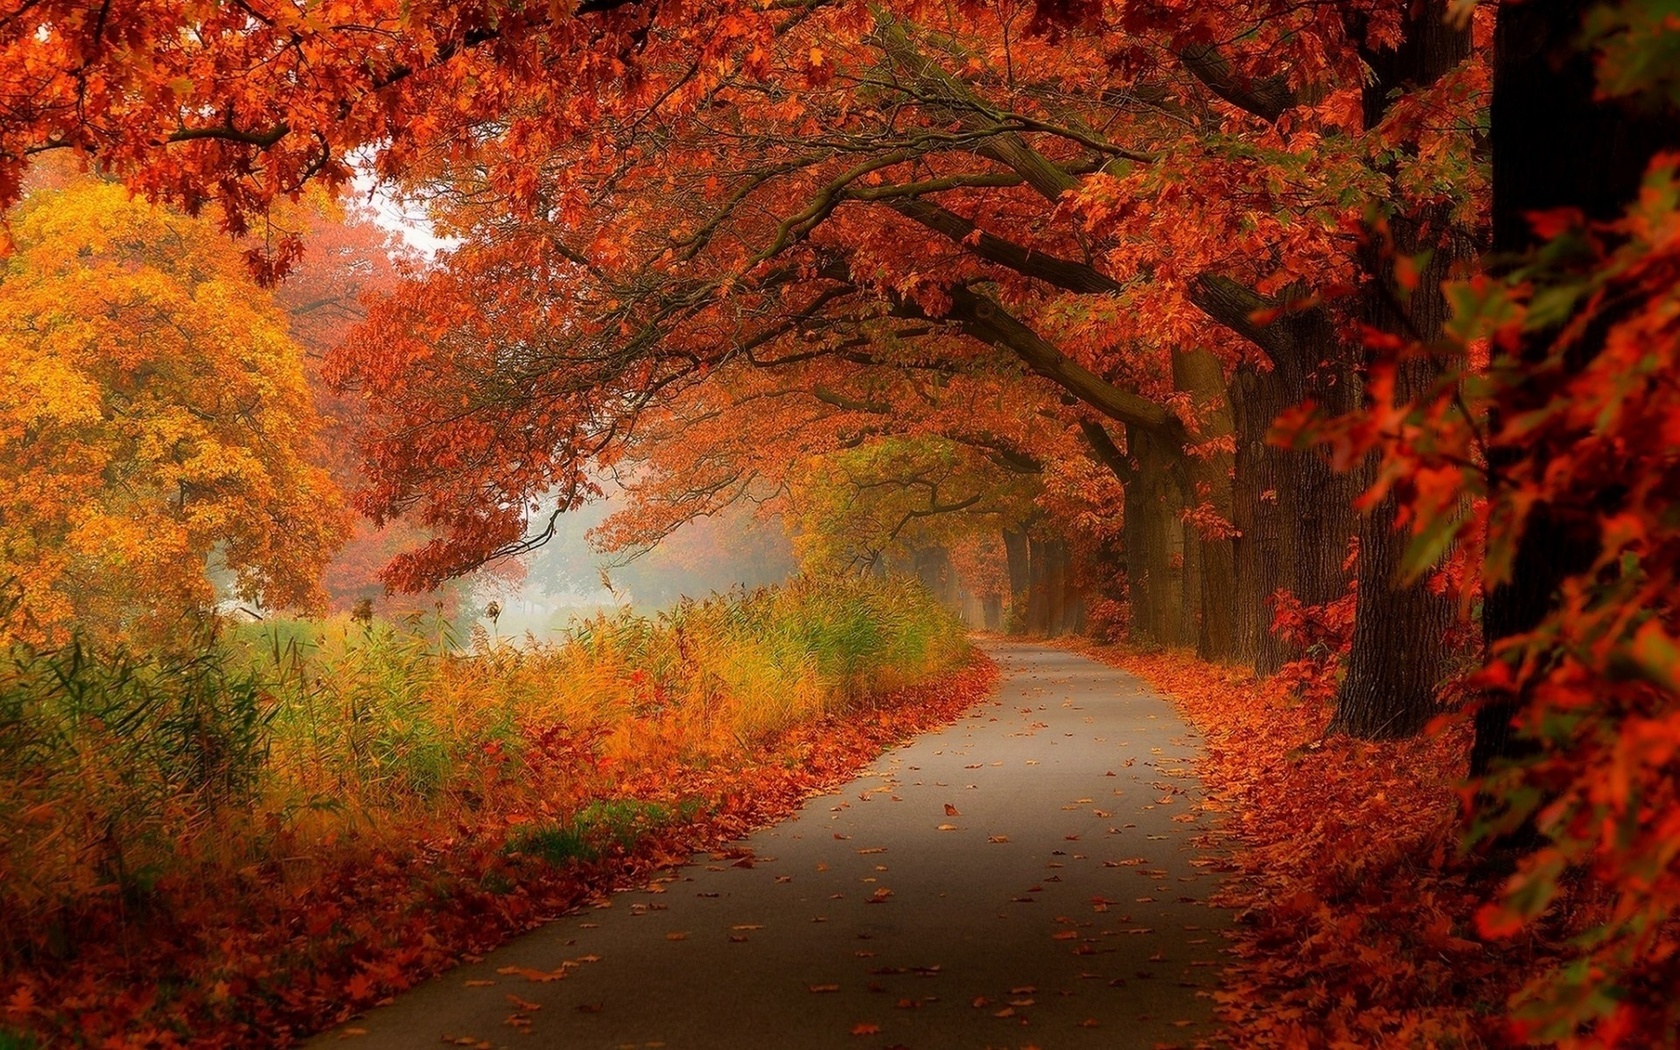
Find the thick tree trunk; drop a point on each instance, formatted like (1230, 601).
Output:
(1200, 374)
(1055, 586)
(991, 611)
(1038, 591)
(1262, 502)
(1398, 657)
(1554, 146)
(1319, 498)
(1015, 553)
(1151, 535)
(1187, 556)
(1073, 594)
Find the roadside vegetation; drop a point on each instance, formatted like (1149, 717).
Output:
(247, 839)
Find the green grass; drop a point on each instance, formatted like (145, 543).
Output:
(598, 826)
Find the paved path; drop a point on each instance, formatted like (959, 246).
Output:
(1058, 907)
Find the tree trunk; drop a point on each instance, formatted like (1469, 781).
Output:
(1073, 594)
(1262, 489)
(1398, 657)
(1149, 527)
(1554, 146)
(1321, 501)
(1038, 592)
(1188, 557)
(1015, 553)
(1200, 374)
(991, 606)
(1055, 586)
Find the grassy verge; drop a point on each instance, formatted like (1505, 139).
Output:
(1356, 911)
(244, 844)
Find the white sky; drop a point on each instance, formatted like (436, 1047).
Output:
(407, 221)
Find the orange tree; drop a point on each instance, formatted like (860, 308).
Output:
(348, 258)
(155, 427)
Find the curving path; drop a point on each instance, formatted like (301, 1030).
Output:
(1059, 907)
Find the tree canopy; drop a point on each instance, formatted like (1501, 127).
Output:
(1019, 282)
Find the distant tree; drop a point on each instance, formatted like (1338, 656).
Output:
(155, 426)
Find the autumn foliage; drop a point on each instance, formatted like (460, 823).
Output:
(155, 428)
(241, 847)
(1333, 340)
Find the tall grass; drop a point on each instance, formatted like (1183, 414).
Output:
(282, 749)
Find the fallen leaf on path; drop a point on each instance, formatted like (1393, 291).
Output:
(997, 838)
(534, 976)
(951, 811)
(946, 827)
(865, 1028)
(825, 988)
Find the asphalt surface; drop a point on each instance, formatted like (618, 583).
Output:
(1057, 903)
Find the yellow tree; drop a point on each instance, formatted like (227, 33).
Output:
(156, 430)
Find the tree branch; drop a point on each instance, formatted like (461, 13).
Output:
(1267, 98)
(1234, 305)
(1107, 452)
(1067, 274)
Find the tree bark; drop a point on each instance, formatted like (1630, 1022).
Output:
(1200, 374)
(1055, 586)
(1188, 559)
(1038, 593)
(1262, 508)
(1398, 659)
(1152, 503)
(1073, 600)
(1015, 553)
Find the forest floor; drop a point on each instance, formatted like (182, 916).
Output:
(1355, 909)
(1031, 876)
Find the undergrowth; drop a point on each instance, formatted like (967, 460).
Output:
(245, 841)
